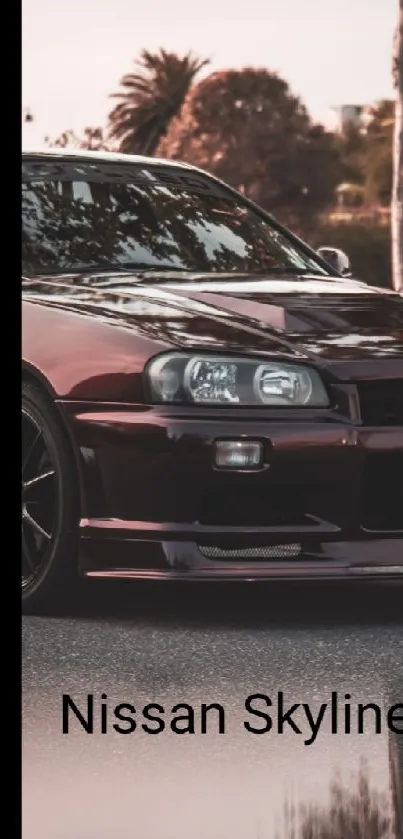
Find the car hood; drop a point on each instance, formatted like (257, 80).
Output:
(328, 319)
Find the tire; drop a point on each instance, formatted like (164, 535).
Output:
(50, 506)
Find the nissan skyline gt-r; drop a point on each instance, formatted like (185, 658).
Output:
(203, 396)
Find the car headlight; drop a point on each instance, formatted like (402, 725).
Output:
(214, 380)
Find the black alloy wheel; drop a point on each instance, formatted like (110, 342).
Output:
(49, 505)
(39, 501)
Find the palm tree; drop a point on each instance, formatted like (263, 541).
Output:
(150, 98)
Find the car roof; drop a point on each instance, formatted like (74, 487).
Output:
(105, 156)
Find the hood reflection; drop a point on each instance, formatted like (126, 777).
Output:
(294, 318)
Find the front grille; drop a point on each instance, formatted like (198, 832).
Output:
(381, 403)
(382, 492)
(288, 551)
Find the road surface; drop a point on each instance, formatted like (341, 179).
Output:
(194, 645)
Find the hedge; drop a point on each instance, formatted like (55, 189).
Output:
(368, 248)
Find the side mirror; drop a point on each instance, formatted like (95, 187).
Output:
(337, 259)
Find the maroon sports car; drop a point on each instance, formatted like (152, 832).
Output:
(203, 396)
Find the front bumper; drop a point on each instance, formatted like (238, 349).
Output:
(327, 504)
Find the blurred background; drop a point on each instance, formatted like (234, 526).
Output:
(291, 103)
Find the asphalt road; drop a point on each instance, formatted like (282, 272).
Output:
(168, 645)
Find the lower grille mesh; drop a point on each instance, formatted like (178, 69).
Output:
(289, 551)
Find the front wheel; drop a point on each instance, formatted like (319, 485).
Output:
(49, 506)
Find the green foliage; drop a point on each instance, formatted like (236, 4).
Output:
(247, 128)
(366, 156)
(151, 97)
(368, 247)
(351, 148)
(377, 162)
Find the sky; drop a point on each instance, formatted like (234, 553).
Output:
(74, 52)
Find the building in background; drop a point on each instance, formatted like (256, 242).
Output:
(351, 115)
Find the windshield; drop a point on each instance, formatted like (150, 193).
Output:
(81, 216)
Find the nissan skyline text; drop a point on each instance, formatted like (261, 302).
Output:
(203, 396)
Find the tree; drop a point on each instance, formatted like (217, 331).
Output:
(397, 189)
(368, 247)
(151, 97)
(247, 128)
(352, 149)
(366, 153)
(377, 156)
(93, 140)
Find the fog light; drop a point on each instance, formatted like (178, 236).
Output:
(238, 454)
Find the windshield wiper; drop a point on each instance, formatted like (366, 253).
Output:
(156, 271)
(81, 268)
(288, 269)
(109, 267)
(156, 274)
